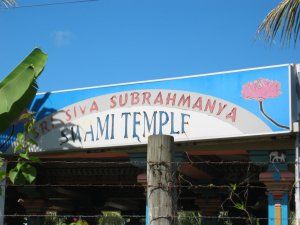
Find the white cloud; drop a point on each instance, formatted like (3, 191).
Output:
(62, 38)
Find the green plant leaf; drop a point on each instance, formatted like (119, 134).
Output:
(20, 137)
(34, 159)
(21, 173)
(29, 173)
(15, 177)
(29, 126)
(20, 165)
(24, 155)
(29, 157)
(18, 89)
(111, 217)
(2, 175)
(32, 142)
(26, 115)
(10, 95)
(233, 186)
(239, 206)
(19, 147)
(81, 222)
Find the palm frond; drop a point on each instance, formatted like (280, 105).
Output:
(8, 3)
(284, 21)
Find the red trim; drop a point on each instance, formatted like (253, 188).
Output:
(193, 172)
(84, 155)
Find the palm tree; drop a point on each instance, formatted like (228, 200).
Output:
(284, 20)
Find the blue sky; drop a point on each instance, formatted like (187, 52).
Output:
(113, 41)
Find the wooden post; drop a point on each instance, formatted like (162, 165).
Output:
(161, 193)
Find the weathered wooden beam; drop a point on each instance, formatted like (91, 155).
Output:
(161, 178)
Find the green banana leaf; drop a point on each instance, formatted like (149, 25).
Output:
(19, 88)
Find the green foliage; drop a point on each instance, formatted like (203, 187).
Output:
(79, 222)
(1, 162)
(223, 217)
(107, 218)
(189, 218)
(238, 199)
(240, 206)
(2, 174)
(111, 218)
(292, 216)
(233, 187)
(53, 219)
(283, 19)
(24, 172)
(18, 89)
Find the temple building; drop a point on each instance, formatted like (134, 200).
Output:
(235, 138)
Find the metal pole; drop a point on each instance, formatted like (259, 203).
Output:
(297, 180)
(297, 150)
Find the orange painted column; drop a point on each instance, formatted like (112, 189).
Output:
(278, 214)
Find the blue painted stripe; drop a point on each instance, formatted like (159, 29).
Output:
(271, 210)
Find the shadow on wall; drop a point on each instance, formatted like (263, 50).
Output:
(8, 137)
(49, 119)
(41, 111)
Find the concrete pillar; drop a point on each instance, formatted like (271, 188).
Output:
(278, 181)
(278, 184)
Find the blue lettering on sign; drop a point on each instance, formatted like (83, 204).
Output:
(163, 120)
(75, 134)
(172, 124)
(101, 128)
(135, 123)
(149, 124)
(157, 122)
(126, 123)
(90, 132)
(184, 122)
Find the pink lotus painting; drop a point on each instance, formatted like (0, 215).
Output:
(260, 90)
